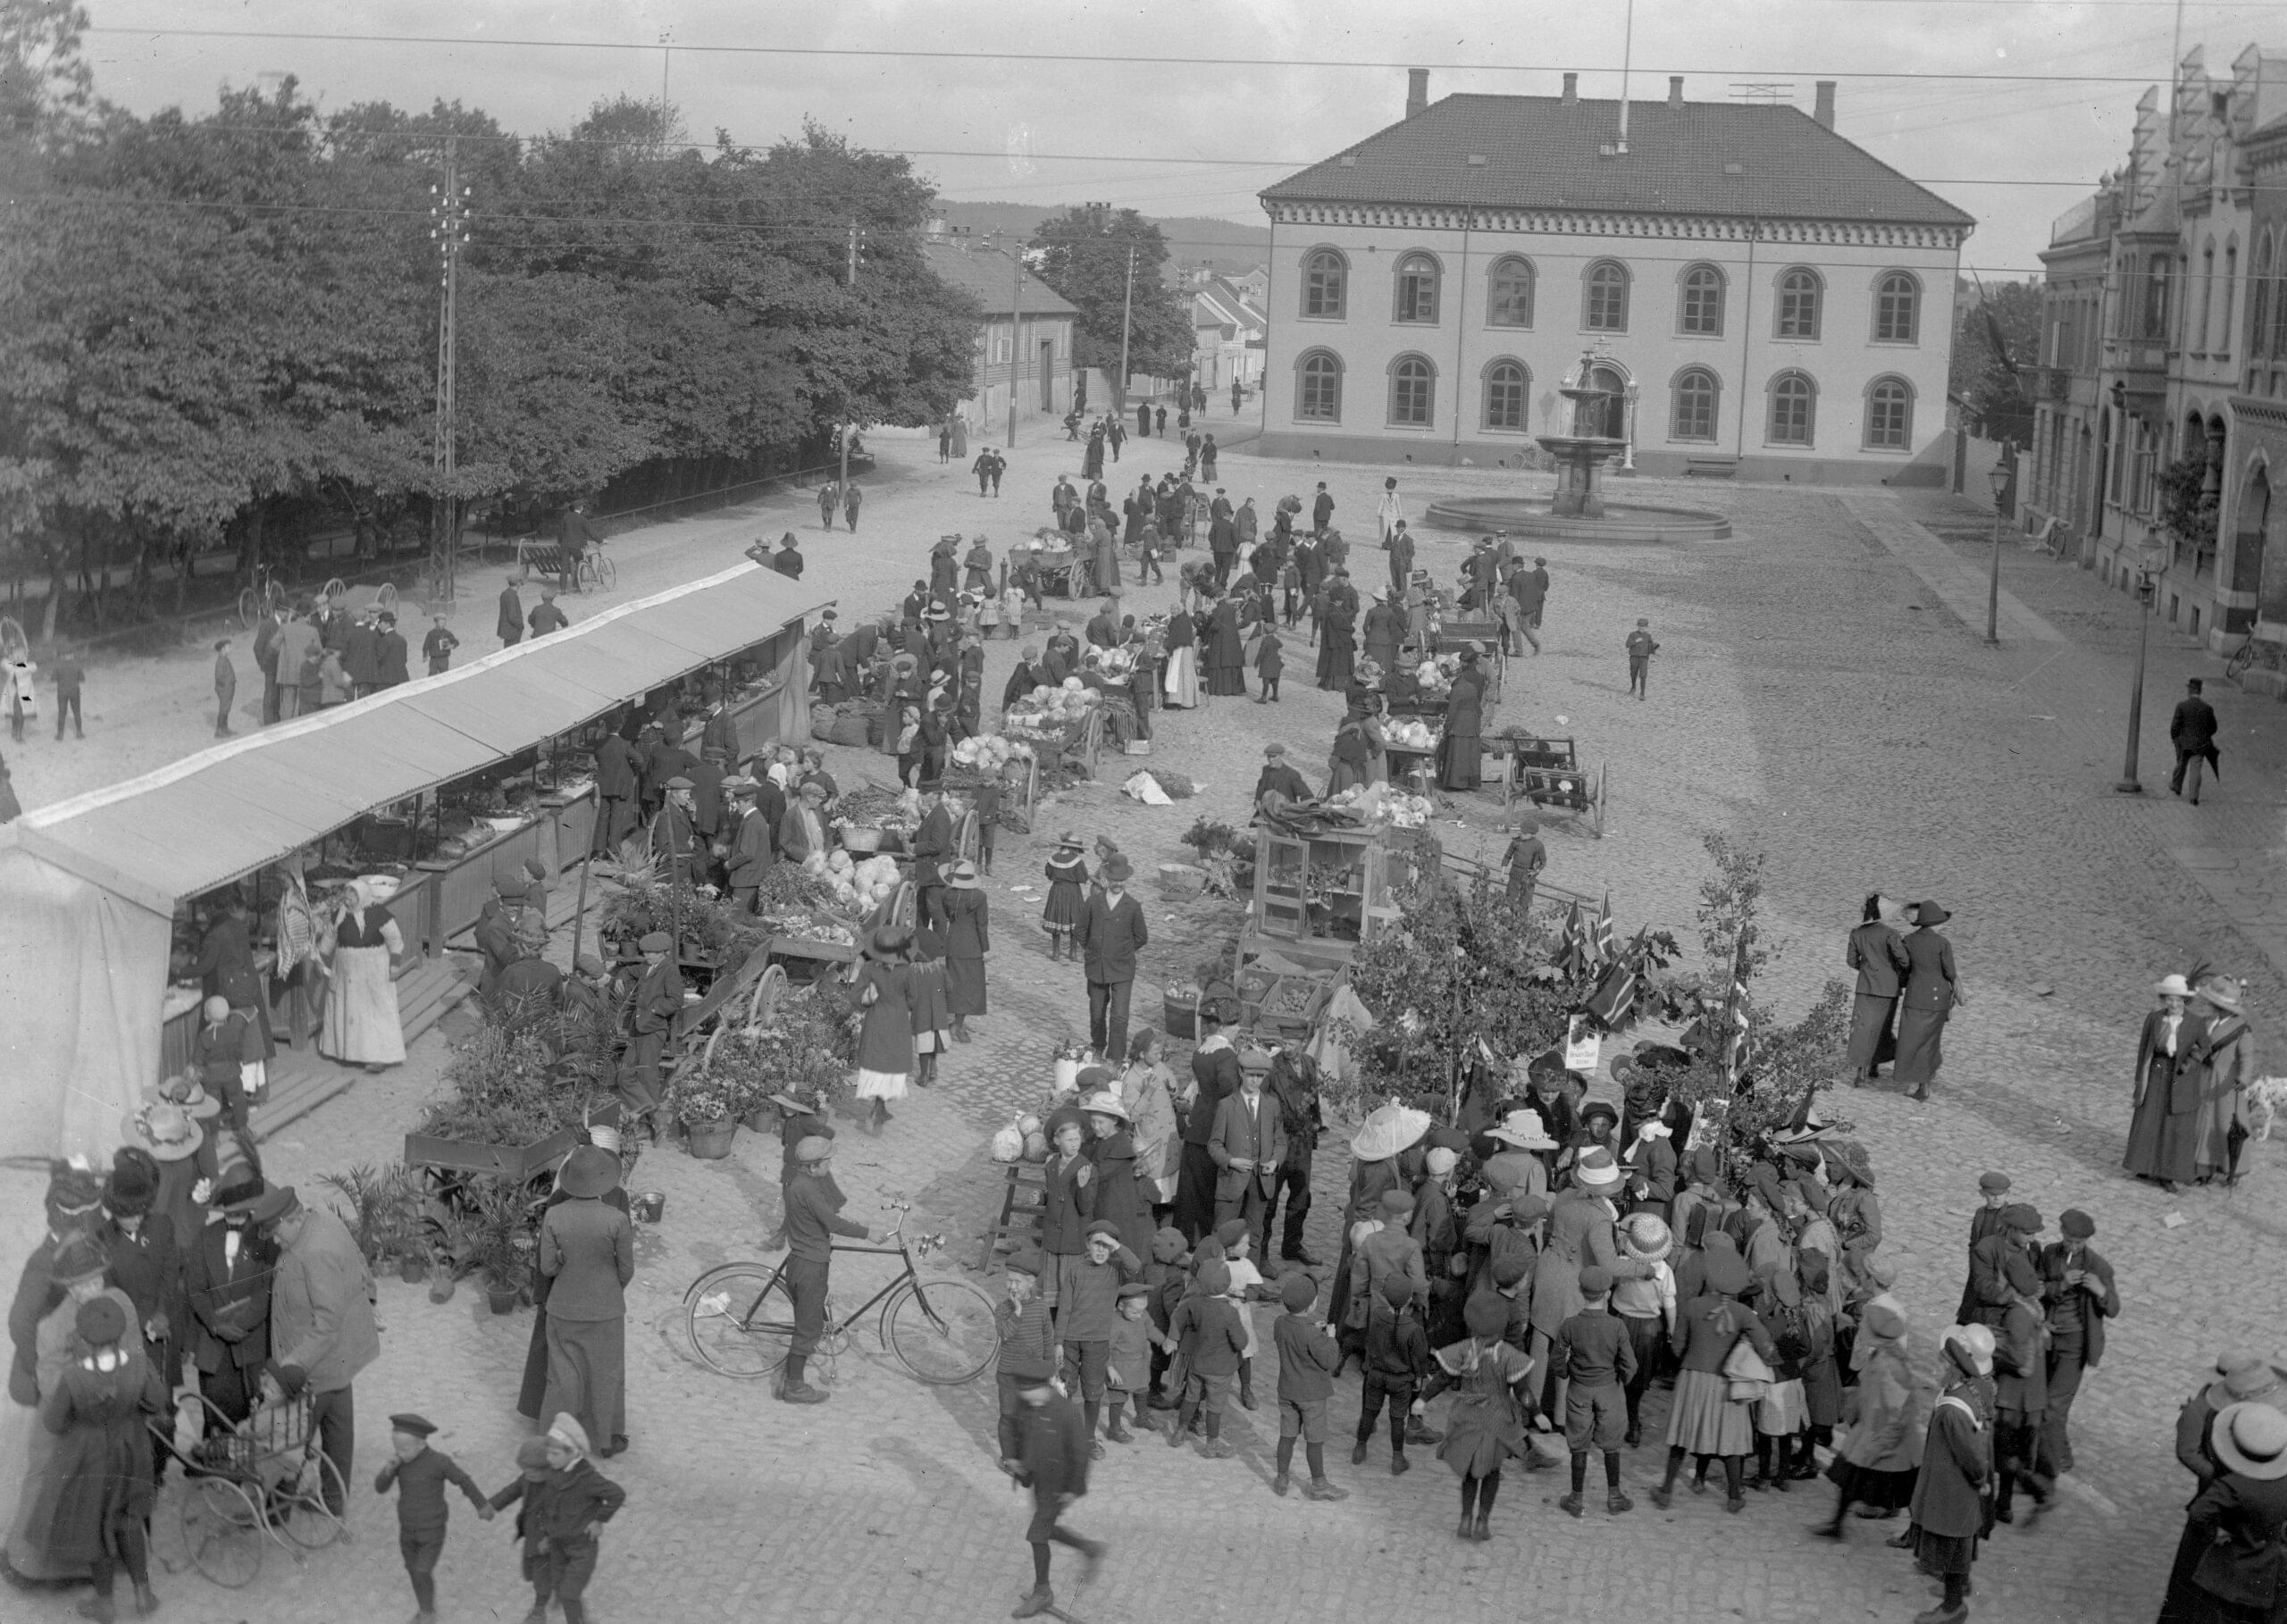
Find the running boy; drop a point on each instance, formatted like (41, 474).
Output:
(420, 1475)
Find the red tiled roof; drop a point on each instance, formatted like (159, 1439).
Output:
(1541, 152)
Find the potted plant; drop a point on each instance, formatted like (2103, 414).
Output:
(707, 1103)
(499, 1240)
(447, 1241)
(371, 1216)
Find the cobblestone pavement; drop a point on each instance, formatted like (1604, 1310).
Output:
(1815, 698)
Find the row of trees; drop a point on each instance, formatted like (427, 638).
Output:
(221, 328)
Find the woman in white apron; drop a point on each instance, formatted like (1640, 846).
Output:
(361, 1026)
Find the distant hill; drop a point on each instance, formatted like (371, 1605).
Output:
(1193, 240)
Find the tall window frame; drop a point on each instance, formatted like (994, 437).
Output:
(1793, 419)
(1898, 308)
(1414, 392)
(1604, 297)
(1510, 284)
(1802, 305)
(1695, 406)
(1318, 387)
(1507, 404)
(1699, 302)
(1889, 415)
(1416, 288)
(1326, 286)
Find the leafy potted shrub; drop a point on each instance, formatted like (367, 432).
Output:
(371, 1216)
(708, 1103)
(447, 1241)
(500, 1241)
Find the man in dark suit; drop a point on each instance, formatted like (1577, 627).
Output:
(659, 999)
(226, 1281)
(1401, 560)
(496, 934)
(2192, 731)
(932, 849)
(1321, 510)
(510, 625)
(1294, 1086)
(619, 794)
(2077, 1285)
(1103, 627)
(1111, 933)
(1248, 1143)
(745, 848)
(574, 535)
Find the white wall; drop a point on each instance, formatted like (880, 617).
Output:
(1745, 357)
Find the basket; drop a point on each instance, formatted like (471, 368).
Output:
(822, 720)
(853, 728)
(1179, 1003)
(860, 839)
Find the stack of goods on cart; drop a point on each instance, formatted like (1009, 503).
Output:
(985, 755)
(1371, 804)
(795, 900)
(710, 930)
(1437, 676)
(1048, 716)
(868, 819)
(1408, 734)
(1118, 665)
(802, 1046)
(860, 884)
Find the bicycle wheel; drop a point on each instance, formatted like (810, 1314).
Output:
(250, 606)
(222, 1530)
(740, 1318)
(941, 1330)
(299, 1508)
(607, 574)
(386, 598)
(2240, 662)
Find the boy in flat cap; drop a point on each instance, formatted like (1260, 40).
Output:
(1054, 1465)
(420, 1474)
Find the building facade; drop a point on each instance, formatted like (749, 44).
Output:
(2072, 446)
(1767, 299)
(1228, 335)
(1024, 344)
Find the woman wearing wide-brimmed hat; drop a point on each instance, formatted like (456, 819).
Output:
(1519, 1166)
(2222, 1059)
(1646, 1307)
(885, 1051)
(184, 1150)
(1932, 991)
(587, 1253)
(969, 937)
(1386, 1153)
(1119, 1195)
(2235, 1523)
(2168, 1033)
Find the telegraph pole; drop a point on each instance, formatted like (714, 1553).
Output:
(1126, 314)
(845, 413)
(448, 229)
(1016, 331)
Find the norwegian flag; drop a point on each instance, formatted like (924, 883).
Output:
(1603, 944)
(1738, 1042)
(1612, 1004)
(1574, 950)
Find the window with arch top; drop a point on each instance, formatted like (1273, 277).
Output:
(1416, 289)
(1889, 415)
(1605, 307)
(1692, 412)
(1508, 387)
(1898, 309)
(1509, 292)
(1414, 392)
(1800, 295)
(1326, 285)
(1702, 314)
(1794, 409)
(1317, 388)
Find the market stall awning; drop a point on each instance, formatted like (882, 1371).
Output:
(210, 818)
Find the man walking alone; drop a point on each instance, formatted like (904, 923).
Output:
(2192, 731)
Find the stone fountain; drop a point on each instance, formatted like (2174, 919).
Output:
(1580, 511)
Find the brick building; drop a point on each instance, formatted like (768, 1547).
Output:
(1769, 300)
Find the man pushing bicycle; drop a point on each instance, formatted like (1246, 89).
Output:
(813, 1204)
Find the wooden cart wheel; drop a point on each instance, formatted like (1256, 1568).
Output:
(1597, 804)
(770, 987)
(707, 1058)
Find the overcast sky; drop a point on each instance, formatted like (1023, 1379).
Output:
(1185, 135)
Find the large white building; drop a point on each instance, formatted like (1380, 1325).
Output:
(1771, 300)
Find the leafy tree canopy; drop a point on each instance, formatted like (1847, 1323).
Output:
(1084, 256)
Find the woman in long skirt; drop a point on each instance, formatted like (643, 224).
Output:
(1181, 682)
(2162, 1039)
(362, 1025)
(1068, 895)
(1949, 1503)
(1462, 750)
(1878, 953)
(885, 1053)
(1932, 989)
(1226, 656)
(1338, 648)
(1119, 1194)
(1704, 1421)
(969, 937)
(587, 1253)
(1485, 1426)
(534, 1387)
(1875, 1461)
(1147, 1089)
(75, 1277)
(97, 1494)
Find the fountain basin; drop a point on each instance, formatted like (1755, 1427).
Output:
(1625, 521)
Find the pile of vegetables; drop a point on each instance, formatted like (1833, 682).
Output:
(988, 753)
(1378, 803)
(1408, 734)
(858, 885)
(1437, 676)
(1046, 713)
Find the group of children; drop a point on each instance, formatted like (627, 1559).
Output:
(562, 1500)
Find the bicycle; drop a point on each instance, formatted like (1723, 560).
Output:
(740, 1316)
(266, 596)
(596, 570)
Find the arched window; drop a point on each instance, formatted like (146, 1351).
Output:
(1702, 314)
(1317, 388)
(1794, 409)
(1692, 415)
(2259, 295)
(1509, 293)
(1326, 285)
(1800, 296)
(1416, 289)
(1889, 415)
(2156, 298)
(1507, 387)
(1414, 392)
(1898, 309)
(1604, 308)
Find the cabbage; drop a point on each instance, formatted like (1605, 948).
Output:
(1073, 685)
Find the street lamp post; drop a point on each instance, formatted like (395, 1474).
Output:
(2129, 784)
(1999, 474)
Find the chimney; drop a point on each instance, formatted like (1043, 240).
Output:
(1823, 111)
(1572, 89)
(1417, 92)
(1675, 89)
